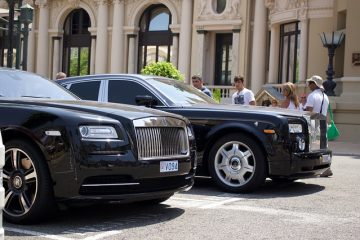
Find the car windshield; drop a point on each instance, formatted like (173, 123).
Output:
(17, 84)
(180, 93)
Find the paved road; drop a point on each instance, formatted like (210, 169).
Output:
(321, 208)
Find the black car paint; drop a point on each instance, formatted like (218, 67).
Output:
(73, 161)
(67, 155)
(211, 121)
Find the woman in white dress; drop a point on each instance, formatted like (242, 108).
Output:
(291, 100)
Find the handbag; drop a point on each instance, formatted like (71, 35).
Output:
(332, 132)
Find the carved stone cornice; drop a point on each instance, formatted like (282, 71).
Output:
(101, 2)
(42, 3)
(286, 10)
(114, 2)
(270, 4)
(206, 12)
(74, 3)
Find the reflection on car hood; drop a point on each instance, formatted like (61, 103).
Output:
(128, 111)
(248, 109)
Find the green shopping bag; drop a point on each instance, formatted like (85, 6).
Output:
(332, 132)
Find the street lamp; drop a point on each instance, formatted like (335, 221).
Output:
(331, 41)
(26, 17)
(11, 4)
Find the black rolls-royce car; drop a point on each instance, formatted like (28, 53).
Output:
(61, 149)
(238, 146)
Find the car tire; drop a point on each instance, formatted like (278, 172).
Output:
(237, 163)
(28, 187)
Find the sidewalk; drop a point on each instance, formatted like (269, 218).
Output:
(345, 148)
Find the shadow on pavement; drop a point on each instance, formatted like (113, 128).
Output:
(270, 189)
(93, 219)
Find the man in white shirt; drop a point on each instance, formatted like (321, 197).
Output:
(318, 102)
(243, 95)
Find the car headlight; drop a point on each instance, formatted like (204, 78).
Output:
(98, 132)
(301, 143)
(190, 133)
(295, 128)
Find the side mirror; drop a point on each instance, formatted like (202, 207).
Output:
(145, 100)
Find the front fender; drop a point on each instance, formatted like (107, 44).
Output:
(230, 127)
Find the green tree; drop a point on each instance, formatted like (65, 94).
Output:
(217, 95)
(164, 69)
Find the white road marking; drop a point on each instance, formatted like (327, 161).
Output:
(218, 204)
(37, 234)
(56, 237)
(103, 235)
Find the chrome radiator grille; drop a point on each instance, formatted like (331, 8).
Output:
(161, 138)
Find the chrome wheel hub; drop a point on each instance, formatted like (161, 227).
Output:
(17, 182)
(235, 164)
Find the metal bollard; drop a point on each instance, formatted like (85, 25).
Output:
(2, 191)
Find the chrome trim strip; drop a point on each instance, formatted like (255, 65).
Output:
(109, 184)
(53, 133)
(159, 122)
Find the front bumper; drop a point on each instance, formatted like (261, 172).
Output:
(310, 164)
(122, 176)
(303, 165)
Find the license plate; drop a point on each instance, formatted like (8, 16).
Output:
(326, 158)
(169, 166)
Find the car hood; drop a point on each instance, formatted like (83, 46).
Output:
(248, 109)
(127, 111)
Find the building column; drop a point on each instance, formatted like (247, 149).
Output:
(259, 47)
(200, 66)
(185, 39)
(117, 43)
(131, 56)
(42, 55)
(56, 57)
(303, 50)
(93, 54)
(175, 50)
(236, 54)
(32, 45)
(274, 53)
(102, 37)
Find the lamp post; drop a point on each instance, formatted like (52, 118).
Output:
(26, 17)
(17, 29)
(331, 41)
(11, 4)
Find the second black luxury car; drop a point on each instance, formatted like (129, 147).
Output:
(238, 146)
(60, 148)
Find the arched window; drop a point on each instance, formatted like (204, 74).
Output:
(155, 37)
(77, 43)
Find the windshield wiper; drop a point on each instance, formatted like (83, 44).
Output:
(28, 96)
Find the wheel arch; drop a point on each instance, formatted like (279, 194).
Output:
(11, 134)
(219, 131)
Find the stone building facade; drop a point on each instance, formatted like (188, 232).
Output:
(266, 41)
